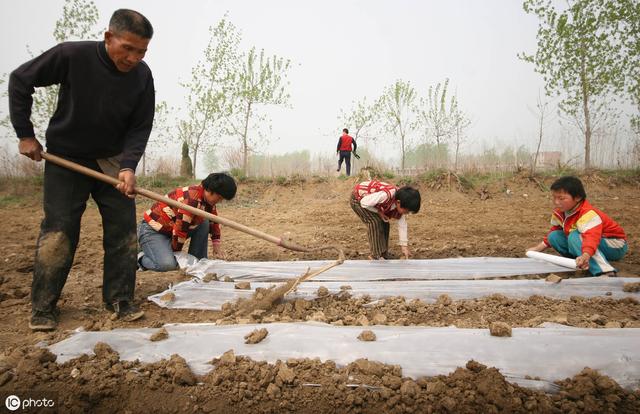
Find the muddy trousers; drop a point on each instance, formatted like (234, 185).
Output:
(65, 198)
(346, 157)
(608, 249)
(377, 230)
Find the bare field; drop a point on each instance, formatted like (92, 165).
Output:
(450, 224)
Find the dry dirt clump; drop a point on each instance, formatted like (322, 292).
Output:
(236, 384)
(256, 336)
(631, 287)
(500, 329)
(261, 300)
(210, 277)
(243, 285)
(553, 278)
(160, 335)
(367, 336)
(168, 297)
(322, 291)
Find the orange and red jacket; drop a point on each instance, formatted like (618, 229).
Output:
(176, 222)
(590, 222)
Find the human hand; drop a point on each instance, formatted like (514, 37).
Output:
(31, 148)
(218, 252)
(127, 184)
(405, 251)
(582, 261)
(383, 217)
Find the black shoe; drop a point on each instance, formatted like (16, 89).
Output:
(43, 321)
(389, 256)
(139, 261)
(125, 310)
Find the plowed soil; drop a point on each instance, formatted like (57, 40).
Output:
(487, 221)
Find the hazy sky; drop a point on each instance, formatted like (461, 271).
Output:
(341, 51)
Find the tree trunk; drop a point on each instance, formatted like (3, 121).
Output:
(245, 144)
(535, 158)
(587, 118)
(402, 144)
(195, 161)
(455, 163)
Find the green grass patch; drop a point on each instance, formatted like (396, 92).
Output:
(10, 200)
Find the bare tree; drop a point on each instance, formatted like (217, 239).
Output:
(162, 135)
(258, 81)
(541, 113)
(396, 108)
(603, 115)
(360, 119)
(78, 21)
(434, 118)
(459, 123)
(578, 55)
(208, 89)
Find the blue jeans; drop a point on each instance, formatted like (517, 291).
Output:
(608, 249)
(158, 254)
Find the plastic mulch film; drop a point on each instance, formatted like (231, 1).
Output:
(353, 270)
(551, 353)
(195, 294)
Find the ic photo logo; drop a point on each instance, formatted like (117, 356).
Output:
(12, 402)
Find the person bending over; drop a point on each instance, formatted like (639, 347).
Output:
(376, 202)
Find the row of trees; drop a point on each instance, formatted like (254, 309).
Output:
(224, 97)
(588, 55)
(411, 119)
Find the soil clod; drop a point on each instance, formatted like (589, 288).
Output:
(367, 336)
(500, 329)
(160, 335)
(256, 336)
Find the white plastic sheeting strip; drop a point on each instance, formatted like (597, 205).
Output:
(552, 353)
(560, 261)
(353, 270)
(195, 294)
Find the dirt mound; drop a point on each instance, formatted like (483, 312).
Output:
(104, 383)
(343, 309)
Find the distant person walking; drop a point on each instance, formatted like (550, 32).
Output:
(346, 144)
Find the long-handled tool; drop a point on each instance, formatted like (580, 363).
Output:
(280, 241)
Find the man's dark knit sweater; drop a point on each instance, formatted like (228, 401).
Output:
(101, 111)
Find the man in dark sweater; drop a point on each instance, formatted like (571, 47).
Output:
(103, 119)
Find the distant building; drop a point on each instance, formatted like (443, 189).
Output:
(549, 159)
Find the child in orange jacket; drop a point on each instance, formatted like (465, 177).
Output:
(580, 231)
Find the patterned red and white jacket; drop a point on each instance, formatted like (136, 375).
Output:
(592, 224)
(378, 196)
(178, 222)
